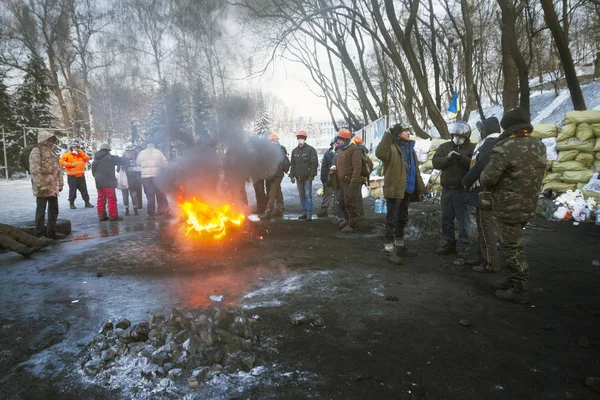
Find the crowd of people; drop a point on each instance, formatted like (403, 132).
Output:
(499, 177)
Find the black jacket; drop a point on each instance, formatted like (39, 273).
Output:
(305, 163)
(453, 170)
(103, 169)
(326, 165)
(481, 159)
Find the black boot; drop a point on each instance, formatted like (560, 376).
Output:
(135, 211)
(88, 204)
(448, 247)
(72, 205)
(127, 211)
(266, 215)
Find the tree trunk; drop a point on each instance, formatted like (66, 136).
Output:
(566, 59)
(468, 59)
(434, 56)
(57, 91)
(421, 80)
(509, 39)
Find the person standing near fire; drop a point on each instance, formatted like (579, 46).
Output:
(304, 165)
(348, 170)
(74, 161)
(151, 160)
(326, 164)
(274, 181)
(103, 169)
(134, 182)
(401, 182)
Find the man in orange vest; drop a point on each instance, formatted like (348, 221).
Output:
(74, 163)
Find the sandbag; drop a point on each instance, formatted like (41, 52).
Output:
(577, 176)
(552, 176)
(549, 165)
(567, 155)
(595, 195)
(559, 186)
(580, 186)
(551, 152)
(597, 165)
(584, 132)
(597, 145)
(543, 131)
(567, 166)
(598, 155)
(567, 131)
(427, 166)
(596, 129)
(580, 117)
(586, 159)
(435, 143)
(575, 144)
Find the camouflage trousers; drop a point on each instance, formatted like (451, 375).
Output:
(515, 259)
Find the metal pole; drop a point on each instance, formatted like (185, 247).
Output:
(4, 147)
(24, 146)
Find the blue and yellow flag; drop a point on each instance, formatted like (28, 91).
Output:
(454, 107)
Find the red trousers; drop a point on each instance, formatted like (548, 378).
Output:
(107, 194)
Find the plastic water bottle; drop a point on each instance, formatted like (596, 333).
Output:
(384, 211)
(587, 214)
(378, 206)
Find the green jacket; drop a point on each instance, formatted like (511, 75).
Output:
(394, 169)
(514, 174)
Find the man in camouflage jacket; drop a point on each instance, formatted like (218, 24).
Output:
(514, 176)
(46, 182)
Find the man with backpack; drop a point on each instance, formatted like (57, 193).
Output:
(401, 182)
(74, 162)
(349, 165)
(274, 182)
(47, 182)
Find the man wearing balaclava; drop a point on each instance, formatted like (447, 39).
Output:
(74, 162)
(514, 176)
(453, 158)
(304, 164)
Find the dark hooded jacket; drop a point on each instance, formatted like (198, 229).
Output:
(481, 156)
(103, 168)
(516, 168)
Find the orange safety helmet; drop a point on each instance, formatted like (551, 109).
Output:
(345, 134)
(301, 134)
(357, 140)
(273, 137)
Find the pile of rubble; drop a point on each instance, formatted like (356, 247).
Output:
(186, 346)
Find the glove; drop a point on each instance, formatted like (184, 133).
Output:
(456, 156)
(292, 179)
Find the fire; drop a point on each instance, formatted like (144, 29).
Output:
(204, 219)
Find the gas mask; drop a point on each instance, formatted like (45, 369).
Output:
(301, 142)
(458, 140)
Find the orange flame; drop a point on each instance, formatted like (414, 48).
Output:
(206, 220)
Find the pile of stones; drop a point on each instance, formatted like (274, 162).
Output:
(190, 345)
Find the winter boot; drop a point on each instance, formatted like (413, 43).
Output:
(72, 205)
(504, 283)
(448, 247)
(55, 235)
(348, 229)
(514, 295)
(135, 211)
(390, 253)
(127, 211)
(277, 213)
(266, 215)
(103, 217)
(402, 250)
(322, 213)
(482, 268)
(88, 204)
(117, 218)
(303, 216)
(343, 223)
(308, 217)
